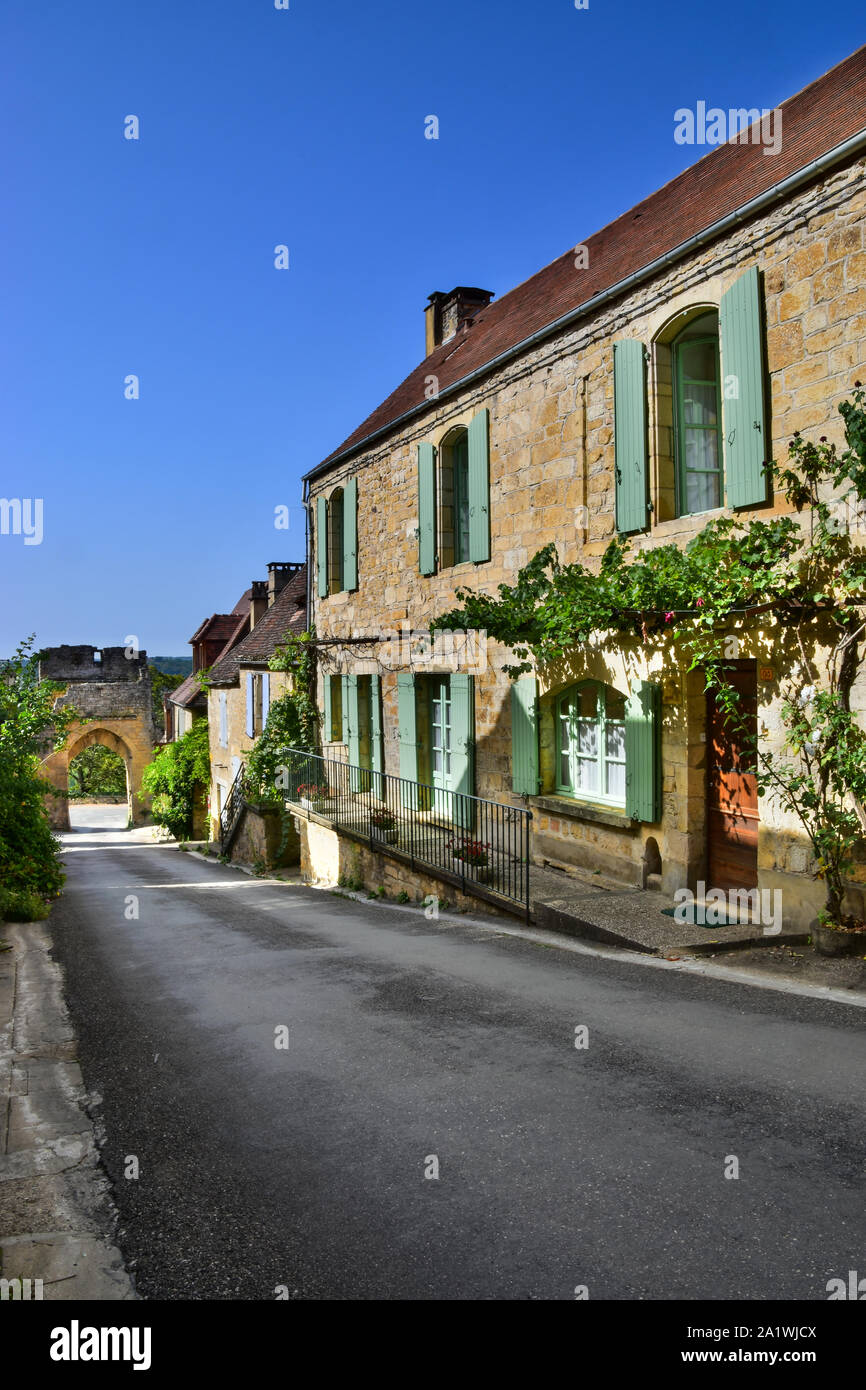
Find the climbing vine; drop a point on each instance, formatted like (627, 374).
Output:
(177, 777)
(293, 719)
(800, 573)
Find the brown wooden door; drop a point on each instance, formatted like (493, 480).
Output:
(732, 809)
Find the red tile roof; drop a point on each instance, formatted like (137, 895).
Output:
(187, 694)
(825, 114)
(287, 613)
(221, 626)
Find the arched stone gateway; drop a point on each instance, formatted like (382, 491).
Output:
(110, 692)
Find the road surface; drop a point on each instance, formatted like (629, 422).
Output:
(416, 1046)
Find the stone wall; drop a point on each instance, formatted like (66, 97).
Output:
(113, 700)
(265, 836)
(328, 857)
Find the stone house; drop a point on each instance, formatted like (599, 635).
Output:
(241, 688)
(216, 636)
(634, 386)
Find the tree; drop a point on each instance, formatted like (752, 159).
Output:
(800, 573)
(30, 871)
(162, 683)
(97, 771)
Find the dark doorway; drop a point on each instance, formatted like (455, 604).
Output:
(732, 787)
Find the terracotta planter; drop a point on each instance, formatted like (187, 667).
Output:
(829, 942)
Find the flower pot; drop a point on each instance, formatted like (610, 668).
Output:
(390, 836)
(473, 869)
(828, 941)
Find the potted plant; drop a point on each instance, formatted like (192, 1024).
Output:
(384, 825)
(474, 855)
(837, 938)
(315, 798)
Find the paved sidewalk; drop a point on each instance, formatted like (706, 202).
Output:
(56, 1214)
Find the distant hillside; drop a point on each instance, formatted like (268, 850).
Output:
(172, 665)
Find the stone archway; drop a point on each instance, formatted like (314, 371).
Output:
(111, 693)
(106, 738)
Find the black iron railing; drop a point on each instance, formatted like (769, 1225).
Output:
(232, 810)
(479, 845)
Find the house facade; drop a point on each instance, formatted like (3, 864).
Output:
(216, 635)
(634, 387)
(241, 687)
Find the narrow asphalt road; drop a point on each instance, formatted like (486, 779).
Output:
(262, 1166)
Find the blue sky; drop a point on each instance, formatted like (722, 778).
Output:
(260, 127)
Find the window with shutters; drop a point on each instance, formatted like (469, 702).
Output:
(590, 743)
(334, 728)
(454, 497)
(258, 705)
(453, 494)
(335, 541)
(697, 417)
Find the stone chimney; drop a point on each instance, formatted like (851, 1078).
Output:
(278, 578)
(259, 601)
(446, 314)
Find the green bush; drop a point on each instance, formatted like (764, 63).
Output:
(30, 726)
(173, 776)
(22, 905)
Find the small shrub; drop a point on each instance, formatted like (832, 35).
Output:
(403, 897)
(22, 905)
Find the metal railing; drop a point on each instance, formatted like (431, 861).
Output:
(479, 845)
(232, 810)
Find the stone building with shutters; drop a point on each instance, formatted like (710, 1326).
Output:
(634, 386)
(241, 687)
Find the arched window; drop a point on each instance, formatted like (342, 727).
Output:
(590, 743)
(454, 499)
(698, 416)
(335, 541)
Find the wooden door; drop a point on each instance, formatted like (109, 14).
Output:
(732, 796)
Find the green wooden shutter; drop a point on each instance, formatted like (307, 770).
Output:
(524, 736)
(352, 725)
(629, 424)
(463, 749)
(744, 424)
(344, 707)
(377, 752)
(251, 716)
(350, 534)
(426, 508)
(322, 546)
(327, 727)
(479, 486)
(643, 752)
(407, 729)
